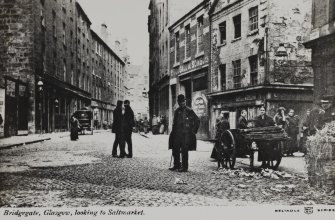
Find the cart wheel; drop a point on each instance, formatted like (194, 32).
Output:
(228, 144)
(278, 155)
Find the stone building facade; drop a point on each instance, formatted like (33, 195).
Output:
(107, 80)
(45, 68)
(189, 61)
(322, 42)
(163, 13)
(257, 57)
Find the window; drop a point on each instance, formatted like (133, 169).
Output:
(187, 41)
(177, 50)
(72, 74)
(200, 84)
(237, 73)
(222, 29)
(253, 62)
(222, 69)
(64, 70)
(200, 34)
(54, 23)
(253, 18)
(64, 36)
(237, 26)
(79, 79)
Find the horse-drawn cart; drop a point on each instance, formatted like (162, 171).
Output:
(234, 143)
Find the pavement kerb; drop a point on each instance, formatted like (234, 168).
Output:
(23, 143)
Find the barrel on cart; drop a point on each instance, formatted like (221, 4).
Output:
(234, 143)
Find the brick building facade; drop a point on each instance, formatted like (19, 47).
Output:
(189, 59)
(322, 43)
(257, 57)
(45, 68)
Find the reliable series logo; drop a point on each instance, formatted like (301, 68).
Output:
(308, 210)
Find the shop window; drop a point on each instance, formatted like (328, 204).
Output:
(200, 84)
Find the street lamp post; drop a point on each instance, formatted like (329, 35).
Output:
(145, 93)
(40, 90)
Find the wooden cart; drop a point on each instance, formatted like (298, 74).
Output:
(234, 143)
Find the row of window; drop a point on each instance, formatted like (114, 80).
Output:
(187, 48)
(237, 77)
(253, 25)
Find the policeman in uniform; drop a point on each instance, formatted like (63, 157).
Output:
(182, 138)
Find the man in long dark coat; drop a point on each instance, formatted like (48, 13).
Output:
(117, 128)
(182, 138)
(265, 152)
(130, 123)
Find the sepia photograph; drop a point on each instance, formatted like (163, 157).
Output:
(167, 109)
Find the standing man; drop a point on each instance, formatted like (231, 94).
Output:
(182, 138)
(117, 129)
(130, 123)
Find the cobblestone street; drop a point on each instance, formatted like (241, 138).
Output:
(83, 173)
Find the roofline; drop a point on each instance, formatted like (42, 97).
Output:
(204, 2)
(104, 43)
(83, 12)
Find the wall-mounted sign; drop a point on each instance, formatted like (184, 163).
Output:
(191, 65)
(199, 104)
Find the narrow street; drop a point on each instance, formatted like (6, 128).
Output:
(60, 172)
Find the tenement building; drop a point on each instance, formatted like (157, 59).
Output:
(322, 42)
(107, 80)
(163, 13)
(46, 66)
(257, 57)
(189, 59)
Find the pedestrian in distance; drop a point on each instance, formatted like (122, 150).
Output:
(117, 129)
(265, 151)
(129, 124)
(75, 127)
(182, 138)
(154, 125)
(242, 121)
(305, 132)
(145, 125)
(292, 122)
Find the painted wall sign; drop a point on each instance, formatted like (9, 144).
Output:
(192, 65)
(199, 104)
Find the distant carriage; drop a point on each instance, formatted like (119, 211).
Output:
(85, 117)
(234, 143)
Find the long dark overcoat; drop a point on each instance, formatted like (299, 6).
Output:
(190, 128)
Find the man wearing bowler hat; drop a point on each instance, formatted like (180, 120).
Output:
(182, 138)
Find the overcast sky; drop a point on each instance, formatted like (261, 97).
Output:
(124, 19)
